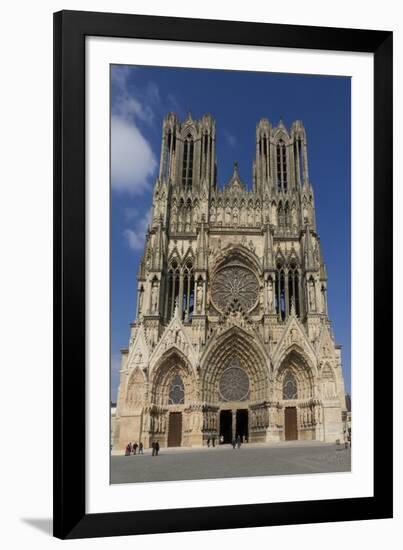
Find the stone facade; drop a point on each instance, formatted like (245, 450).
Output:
(232, 334)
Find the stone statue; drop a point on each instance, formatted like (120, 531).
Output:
(154, 298)
(294, 216)
(228, 215)
(312, 295)
(270, 295)
(140, 300)
(199, 298)
(219, 215)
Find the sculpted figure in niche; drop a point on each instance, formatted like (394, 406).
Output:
(273, 214)
(323, 299)
(219, 215)
(270, 295)
(311, 294)
(196, 213)
(242, 215)
(250, 217)
(294, 215)
(228, 215)
(305, 213)
(140, 300)
(154, 298)
(199, 297)
(258, 214)
(316, 252)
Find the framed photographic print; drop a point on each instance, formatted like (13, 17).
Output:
(223, 231)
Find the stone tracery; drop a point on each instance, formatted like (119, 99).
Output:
(237, 284)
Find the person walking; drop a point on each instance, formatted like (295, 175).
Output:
(233, 442)
(157, 448)
(128, 449)
(153, 448)
(213, 441)
(208, 442)
(141, 448)
(135, 447)
(238, 441)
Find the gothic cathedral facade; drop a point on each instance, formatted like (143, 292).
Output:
(231, 335)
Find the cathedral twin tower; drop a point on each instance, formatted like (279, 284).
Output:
(232, 335)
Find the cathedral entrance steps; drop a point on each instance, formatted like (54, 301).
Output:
(204, 448)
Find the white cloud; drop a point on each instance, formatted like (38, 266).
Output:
(135, 237)
(231, 139)
(132, 159)
(133, 162)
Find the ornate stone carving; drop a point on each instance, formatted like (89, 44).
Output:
(235, 284)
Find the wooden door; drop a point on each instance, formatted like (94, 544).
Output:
(290, 423)
(175, 429)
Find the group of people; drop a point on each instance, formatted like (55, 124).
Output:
(347, 438)
(236, 442)
(211, 442)
(155, 446)
(131, 448)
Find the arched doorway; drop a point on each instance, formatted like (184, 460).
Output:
(294, 391)
(290, 424)
(235, 374)
(173, 387)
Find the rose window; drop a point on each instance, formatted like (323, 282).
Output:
(237, 285)
(234, 383)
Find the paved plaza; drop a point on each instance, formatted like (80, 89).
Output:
(223, 461)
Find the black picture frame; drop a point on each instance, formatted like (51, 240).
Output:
(70, 517)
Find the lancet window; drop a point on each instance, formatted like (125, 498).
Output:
(287, 290)
(293, 288)
(168, 153)
(188, 291)
(173, 287)
(187, 165)
(282, 179)
(298, 160)
(280, 292)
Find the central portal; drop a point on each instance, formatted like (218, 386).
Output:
(226, 426)
(242, 424)
(233, 423)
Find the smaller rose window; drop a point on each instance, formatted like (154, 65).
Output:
(234, 383)
(290, 390)
(176, 391)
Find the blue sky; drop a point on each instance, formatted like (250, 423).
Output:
(140, 98)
